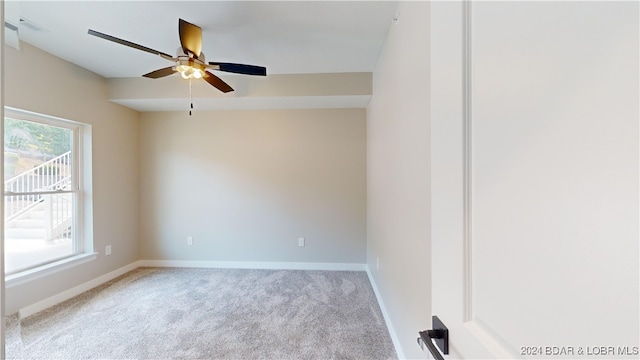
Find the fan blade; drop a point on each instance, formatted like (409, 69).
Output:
(190, 38)
(241, 68)
(217, 82)
(160, 73)
(128, 43)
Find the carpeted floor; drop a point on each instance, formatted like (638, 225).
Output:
(174, 313)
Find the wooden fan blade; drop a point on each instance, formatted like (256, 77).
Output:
(127, 43)
(190, 38)
(160, 73)
(217, 82)
(241, 68)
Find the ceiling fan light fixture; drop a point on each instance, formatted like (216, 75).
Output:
(190, 69)
(186, 74)
(181, 68)
(189, 72)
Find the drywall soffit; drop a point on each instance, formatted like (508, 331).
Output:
(299, 91)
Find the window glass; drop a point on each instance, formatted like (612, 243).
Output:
(41, 192)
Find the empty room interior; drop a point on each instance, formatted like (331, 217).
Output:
(333, 179)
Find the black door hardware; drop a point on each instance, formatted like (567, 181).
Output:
(440, 334)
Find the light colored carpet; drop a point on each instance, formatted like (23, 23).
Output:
(160, 313)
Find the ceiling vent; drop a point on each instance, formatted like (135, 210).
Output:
(31, 25)
(11, 35)
(10, 26)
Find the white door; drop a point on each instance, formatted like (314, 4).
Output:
(535, 164)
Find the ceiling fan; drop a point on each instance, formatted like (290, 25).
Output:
(191, 64)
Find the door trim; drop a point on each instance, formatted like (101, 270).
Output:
(474, 325)
(467, 302)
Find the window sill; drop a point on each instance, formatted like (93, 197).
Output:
(44, 270)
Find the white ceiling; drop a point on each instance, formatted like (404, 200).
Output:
(290, 37)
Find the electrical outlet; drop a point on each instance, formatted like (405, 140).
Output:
(107, 250)
(190, 240)
(300, 241)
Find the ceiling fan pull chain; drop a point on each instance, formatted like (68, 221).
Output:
(190, 96)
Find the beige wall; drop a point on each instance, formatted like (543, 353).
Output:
(39, 82)
(398, 176)
(247, 184)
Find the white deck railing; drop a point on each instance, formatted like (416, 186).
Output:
(52, 175)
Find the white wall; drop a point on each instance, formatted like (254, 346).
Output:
(247, 184)
(398, 176)
(39, 82)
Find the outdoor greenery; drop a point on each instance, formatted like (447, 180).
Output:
(41, 139)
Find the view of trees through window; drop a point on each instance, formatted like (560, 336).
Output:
(28, 144)
(40, 194)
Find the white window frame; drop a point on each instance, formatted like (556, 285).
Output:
(83, 245)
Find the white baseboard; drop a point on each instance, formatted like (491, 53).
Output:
(75, 291)
(387, 318)
(253, 265)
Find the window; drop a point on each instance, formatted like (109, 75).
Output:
(43, 198)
